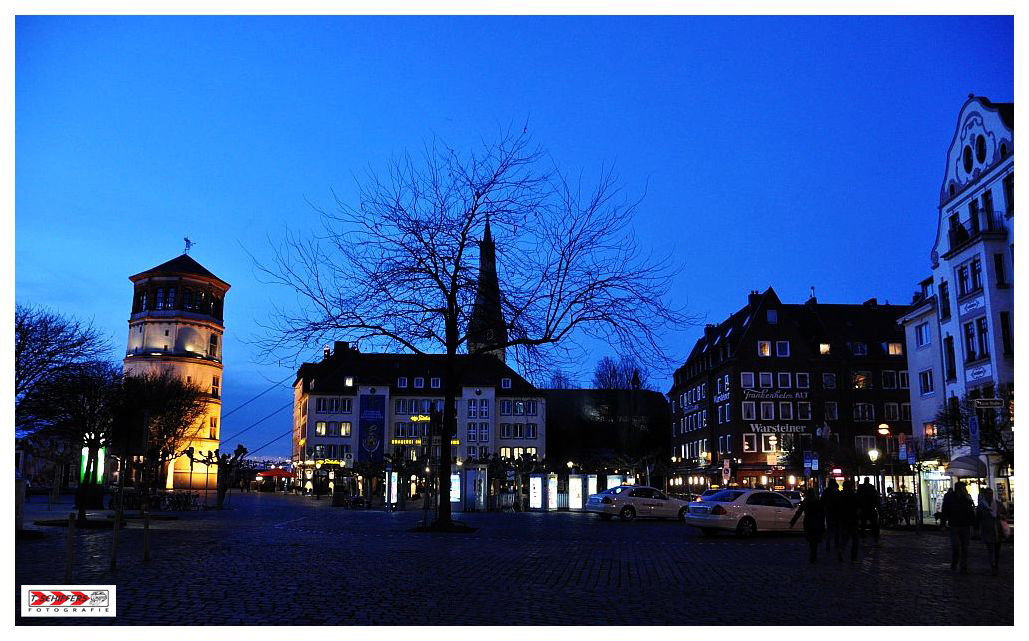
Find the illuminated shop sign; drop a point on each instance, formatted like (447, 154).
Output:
(614, 480)
(591, 484)
(416, 441)
(455, 488)
(778, 428)
(552, 492)
(574, 492)
(771, 395)
(393, 487)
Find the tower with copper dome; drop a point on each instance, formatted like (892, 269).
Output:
(176, 324)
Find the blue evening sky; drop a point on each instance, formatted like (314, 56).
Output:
(787, 151)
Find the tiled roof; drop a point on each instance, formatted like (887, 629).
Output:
(183, 264)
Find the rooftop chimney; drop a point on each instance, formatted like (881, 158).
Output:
(325, 352)
(753, 297)
(871, 302)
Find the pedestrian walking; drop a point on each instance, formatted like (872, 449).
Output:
(814, 521)
(868, 501)
(847, 514)
(959, 514)
(992, 515)
(830, 496)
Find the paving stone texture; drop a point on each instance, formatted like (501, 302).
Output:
(289, 560)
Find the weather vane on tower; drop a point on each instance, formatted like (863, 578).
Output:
(189, 244)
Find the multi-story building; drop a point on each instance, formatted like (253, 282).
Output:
(960, 326)
(775, 380)
(353, 407)
(176, 325)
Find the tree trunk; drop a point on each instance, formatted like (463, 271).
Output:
(222, 487)
(443, 515)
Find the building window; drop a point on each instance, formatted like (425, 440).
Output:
(348, 381)
(505, 383)
(832, 412)
(922, 336)
(976, 271)
(727, 406)
(483, 432)
(902, 379)
(864, 412)
(895, 349)
(750, 442)
(747, 380)
(983, 336)
(969, 330)
(998, 268)
(782, 348)
(344, 429)
(891, 412)
(889, 379)
(400, 407)
(505, 408)
(434, 382)
(803, 380)
(764, 348)
(769, 443)
(829, 380)
(402, 382)
(964, 283)
(905, 411)
(925, 382)
(530, 408)
(320, 428)
(160, 298)
(473, 433)
(1005, 331)
(804, 410)
(861, 379)
(944, 301)
(786, 410)
(864, 444)
(419, 382)
(530, 430)
(859, 349)
(748, 411)
(473, 408)
(767, 411)
(772, 316)
(170, 302)
(216, 386)
(483, 408)
(718, 386)
(784, 379)
(505, 430)
(765, 379)
(1009, 192)
(214, 427)
(721, 414)
(823, 348)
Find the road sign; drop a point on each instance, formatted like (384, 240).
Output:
(989, 403)
(814, 463)
(807, 458)
(903, 451)
(973, 434)
(726, 470)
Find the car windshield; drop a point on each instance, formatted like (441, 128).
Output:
(617, 490)
(724, 496)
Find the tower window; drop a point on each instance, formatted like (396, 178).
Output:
(212, 349)
(169, 303)
(187, 299)
(216, 386)
(160, 298)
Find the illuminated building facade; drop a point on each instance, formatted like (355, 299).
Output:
(354, 407)
(776, 380)
(961, 322)
(177, 325)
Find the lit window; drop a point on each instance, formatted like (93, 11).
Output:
(750, 442)
(320, 428)
(823, 348)
(895, 349)
(348, 381)
(344, 429)
(764, 348)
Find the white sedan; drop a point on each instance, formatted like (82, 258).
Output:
(628, 502)
(743, 511)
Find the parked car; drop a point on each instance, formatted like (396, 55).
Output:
(742, 511)
(795, 496)
(707, 493)
(628, 502)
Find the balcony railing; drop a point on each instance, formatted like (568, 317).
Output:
(962, 233)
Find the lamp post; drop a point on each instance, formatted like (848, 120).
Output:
(873, 456)
(884, 431)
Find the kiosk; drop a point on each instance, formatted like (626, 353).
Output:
(576, 491)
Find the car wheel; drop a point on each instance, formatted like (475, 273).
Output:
(605, 517)
(627, 513)
(746, 527)
(682, 515)
(708, 531)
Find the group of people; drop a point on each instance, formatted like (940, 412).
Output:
(841, 516)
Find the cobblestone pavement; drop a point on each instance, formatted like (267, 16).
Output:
(275, 559)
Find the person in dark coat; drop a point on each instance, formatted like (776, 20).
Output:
(830, 496)
(868, 500)
(990, 513)
(959, 514)
(847, 514)
(814, 521)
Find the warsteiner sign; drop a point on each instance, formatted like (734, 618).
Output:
(779, 428)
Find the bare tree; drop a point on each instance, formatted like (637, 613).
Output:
(227, 465)
(399, 268)
(76, 404)
(45, 342)
(560, 380)
(996, 433)
(624, 374)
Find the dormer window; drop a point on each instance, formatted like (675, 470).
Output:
(764, 348)
(859, 349)
(773, 316)
(402, 382)
(505, 383)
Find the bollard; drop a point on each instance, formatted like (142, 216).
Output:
(69, 547)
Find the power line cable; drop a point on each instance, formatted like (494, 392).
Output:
(253, 425)
(269, 443)
(273, 386)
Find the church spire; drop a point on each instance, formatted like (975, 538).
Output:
(486, 325)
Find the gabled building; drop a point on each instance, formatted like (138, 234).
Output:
(960, 326)
(776, 380)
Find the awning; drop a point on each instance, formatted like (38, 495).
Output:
(967, 466)
(276, 473)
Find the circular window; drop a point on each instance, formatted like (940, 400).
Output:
(967, 158)
(980, 148)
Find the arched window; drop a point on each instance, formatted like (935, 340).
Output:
(1003, 150)
(142, 300)
(217, 304)
(187, 299)
(202, 301)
